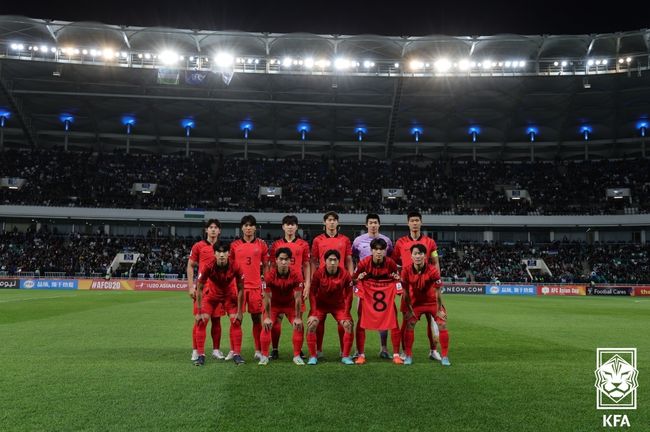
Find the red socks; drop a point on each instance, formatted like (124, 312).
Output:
(348, 338)
(265, 340)
(361, 339)
(395, 338)
(215, 332)
(409, 337)
(200, 337)
(311, 343)
(444, 342)
(276, 331)
(235, 335)
(257, 329)
(297, 341)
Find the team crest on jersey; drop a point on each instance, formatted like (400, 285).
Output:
(616, 378)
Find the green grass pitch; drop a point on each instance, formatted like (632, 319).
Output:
(76, 360)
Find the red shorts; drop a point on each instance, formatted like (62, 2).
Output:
(421, 310)
(212, 306)
(338, 314)
(253, 299)
(290, 313)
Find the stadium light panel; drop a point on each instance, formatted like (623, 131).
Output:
(487, 64)
(309, 62)
(108, 53)
(464, 65)
(342, 63)
(628, 60)
(287, 62)
(147, 56)
(53, 50)
(590, 62)
(604, 62)
(417, 133)
(168, 57)
(93, 52)
(474, 131)
(416, 64)
(396, 65)
(508, 64)
(442, 65)
(564, 63)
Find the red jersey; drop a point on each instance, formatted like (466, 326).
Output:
(374, 271)
(323, 242)
(221, 278)
(402, 251)
(330, 292)
(202, 254)
(378, 302)
(422, 285)
(299, 252)
(250, 256)
(282, 287)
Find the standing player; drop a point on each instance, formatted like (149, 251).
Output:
(282, 289)
(218, 293)
(331, 293)
(421, 281)
(202, 255)
(331, 239)
(251, 254)
(360, 250)
(402, 256)
(299, 263)
(375, 277)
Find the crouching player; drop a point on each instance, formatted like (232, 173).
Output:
(421, 283)
(331, 292)
(222, 273)
(378, 284)
(282, 288)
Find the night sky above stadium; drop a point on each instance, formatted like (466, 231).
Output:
(336, 17)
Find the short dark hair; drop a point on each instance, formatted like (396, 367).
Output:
(420, 247)
(212, 221)
(373, 216)
(221, 247)
(248, 219)
(413, 213)
(330, 213)
(283, 251)
(331, 252)
(290, 220)
(378, 243)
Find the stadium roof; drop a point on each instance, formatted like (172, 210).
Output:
(502, 87)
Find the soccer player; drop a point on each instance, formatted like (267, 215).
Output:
(300, 263)
(331, 293)
(331, 239)
(202, 255)
(282, 288)
(375, 277)
(218, 293)
(251, 254)
(402, 255)
(421, 282)
(360, 250)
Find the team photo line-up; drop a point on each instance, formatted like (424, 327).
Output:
(274, 283)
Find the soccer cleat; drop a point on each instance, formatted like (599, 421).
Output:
(263, 361)
(312, 361)
(275, 354)
(355, 355)
(319, 354)
(360, 360)
(230, 355)
(200, 361)
(408, 361)
(384, 355)
(258, 356)
(302, 355)
(434, 355)
(298, 360)
(238, 359)
(195, 355)
(402, 356)
(218, 355)
(347, 361)
(397, 360)
(445, 361)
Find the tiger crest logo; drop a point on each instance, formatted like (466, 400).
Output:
(616, 378)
